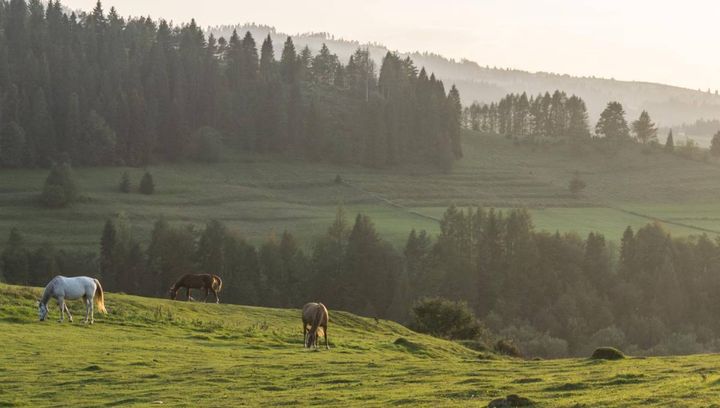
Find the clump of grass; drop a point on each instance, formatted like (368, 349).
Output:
(607, 353)
(408, 345)
(511, 401)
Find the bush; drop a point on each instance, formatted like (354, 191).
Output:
(125, 183)
(445, 318)
(147, 185)
(607, 353)
(60, 189)
(508, 348)
(54, 197)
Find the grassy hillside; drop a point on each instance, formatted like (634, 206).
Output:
(261, 195)
(149, 352)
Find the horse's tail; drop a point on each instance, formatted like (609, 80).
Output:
(99, 297)
(217, 283)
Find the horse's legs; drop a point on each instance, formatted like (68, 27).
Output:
(187, 293)
(327, 346)
(68, 312)
(87, 302)
(61, 303)
(305, 335)
(217, 298)
(206, 294)
(92, 310)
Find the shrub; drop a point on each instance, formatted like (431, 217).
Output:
(124, 183)
(147, 185)
(444, 318)
(507, 347)
(60, 189)
(607, 353)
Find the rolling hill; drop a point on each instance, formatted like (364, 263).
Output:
(668, 105)
(150, 352)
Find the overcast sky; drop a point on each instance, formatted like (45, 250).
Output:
(676, 43)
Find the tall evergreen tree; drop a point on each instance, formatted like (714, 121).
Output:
(644, 129)
(612, 124)
(670, 142)
(15, 261)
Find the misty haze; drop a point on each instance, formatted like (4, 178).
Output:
(493, 204)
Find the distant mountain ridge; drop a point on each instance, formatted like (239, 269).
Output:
(668, 105)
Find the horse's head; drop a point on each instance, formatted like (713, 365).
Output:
(42, 311)
(173, 293)
(311, 339)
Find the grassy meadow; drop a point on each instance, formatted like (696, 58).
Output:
(149, 352)
(259, 196)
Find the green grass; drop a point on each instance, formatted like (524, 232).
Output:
(258, 196)
(148, 351)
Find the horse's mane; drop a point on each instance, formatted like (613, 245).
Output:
(49, 290)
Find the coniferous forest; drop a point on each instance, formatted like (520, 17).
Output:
(553, 294)
(99, 89)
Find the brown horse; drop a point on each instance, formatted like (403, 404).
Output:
(210, 283)
(315, 315)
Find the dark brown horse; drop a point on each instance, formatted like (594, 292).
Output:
(315, 315)
(210, 283)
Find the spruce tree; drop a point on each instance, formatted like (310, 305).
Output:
(670, 142)
(644, 129)
(15, 260)
(12, 145)
(60, 189)
(147, 185)
(612, 124)
(715, 144)
(289, 63)
(455, 121)
(125, 185)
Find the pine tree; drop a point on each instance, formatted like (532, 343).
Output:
(125, 185)
(12, 145)
(644, 129)
(455, 121)
(108, 243)
(289, 62)
(147, 185)
(41, 131)
(670, 142)
(715, 144)
(15, 261)
(612, 124)
(60, 189)
(578, 127)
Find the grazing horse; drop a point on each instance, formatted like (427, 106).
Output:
(62, 288)
(315, 315)
(208, 282)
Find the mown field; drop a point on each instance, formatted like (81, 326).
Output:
(259, 196)
(150, 352)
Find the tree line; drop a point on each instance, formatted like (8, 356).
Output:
(554, 294)
(99, 89)
(556, 117)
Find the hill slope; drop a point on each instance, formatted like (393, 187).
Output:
(668, 105)
(150, 351)
(260, 195)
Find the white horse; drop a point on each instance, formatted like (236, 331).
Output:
(62, 288)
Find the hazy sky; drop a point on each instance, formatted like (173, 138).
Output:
(658, 41)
